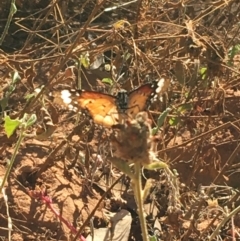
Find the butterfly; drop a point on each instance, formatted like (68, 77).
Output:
(109, 110)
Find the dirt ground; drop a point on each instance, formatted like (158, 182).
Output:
(194, 45)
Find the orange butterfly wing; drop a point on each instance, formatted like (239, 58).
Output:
(101, 107)
(139, 98)
(105, 109)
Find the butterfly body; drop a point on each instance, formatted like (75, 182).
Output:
(108, 110)
(122, 101)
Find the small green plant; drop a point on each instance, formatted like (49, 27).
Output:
(10, 126)
(12, 86)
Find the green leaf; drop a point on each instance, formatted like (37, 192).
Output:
(154, 131)
(107, 81)
(13, 8)
(28, 121)
(29, 96)
(122, 165)
(203, 72)
(31, 120)
(174, 121)
(10, 125)
(184, 107)
(160, 120)
(153, 238)
(11, 88)
(162, 117)
(84, 60)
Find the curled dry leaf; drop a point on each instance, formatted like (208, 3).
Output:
(49, 122)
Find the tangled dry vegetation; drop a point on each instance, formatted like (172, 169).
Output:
(53, 45)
